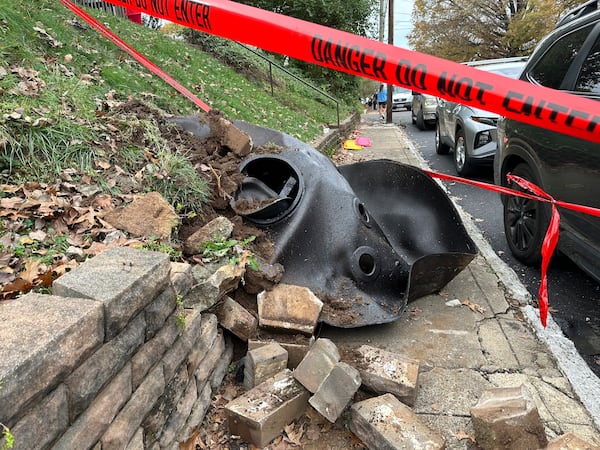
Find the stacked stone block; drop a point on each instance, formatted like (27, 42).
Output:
(107, 361)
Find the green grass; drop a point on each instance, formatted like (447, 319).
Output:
(58, 77)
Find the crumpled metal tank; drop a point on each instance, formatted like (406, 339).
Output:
(366, 238)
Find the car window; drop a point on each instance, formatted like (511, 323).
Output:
(552, 67)
(589, 77)
(510, 71)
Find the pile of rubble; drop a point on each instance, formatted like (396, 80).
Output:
(286, 370)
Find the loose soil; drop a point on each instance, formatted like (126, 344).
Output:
(216, 164)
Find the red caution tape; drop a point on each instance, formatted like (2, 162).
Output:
(549, 244)
(135, 54)
(536, 105)
(551, 237)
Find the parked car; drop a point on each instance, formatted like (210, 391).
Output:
(401, 98)
(566, 167)
(468, 131)
(423, 110)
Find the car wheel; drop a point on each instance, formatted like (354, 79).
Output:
(413, 117)
(525, 221)
(440, 147)
(462, 162)
(420, 121)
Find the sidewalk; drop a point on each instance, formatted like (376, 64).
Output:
(491, 339)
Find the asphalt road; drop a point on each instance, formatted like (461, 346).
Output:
(574, 297)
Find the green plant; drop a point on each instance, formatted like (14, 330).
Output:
(9, 439)
(7, 436)
(232, 249)
(156, 245)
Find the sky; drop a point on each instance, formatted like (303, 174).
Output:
(402, 22)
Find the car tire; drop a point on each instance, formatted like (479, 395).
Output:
(413, 117)
(420, 121)
(525, 221)
(440, 147)
(462, 162)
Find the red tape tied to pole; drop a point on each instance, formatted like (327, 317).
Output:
(135, 54)
(342, 51)
(551, 237)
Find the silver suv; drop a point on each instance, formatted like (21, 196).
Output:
(423, 110)
(469, 131)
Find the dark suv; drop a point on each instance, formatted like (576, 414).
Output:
(566, 167)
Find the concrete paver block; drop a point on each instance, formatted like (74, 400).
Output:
(42, 339)
(218, 229)
(316, 365)
(507, 418)
(209, 291)
(289, 307)
(124, 279)
(237, 319)
(297, 346)
(336, 391)
(385, 372)
(260, 414)
(263, 279)
(384, 422)
(263, 363)
(238, 141)
(570, 441)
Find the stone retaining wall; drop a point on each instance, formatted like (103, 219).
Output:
(106, 362)
(334, 138)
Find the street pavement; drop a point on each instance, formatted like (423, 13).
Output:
(492, 337)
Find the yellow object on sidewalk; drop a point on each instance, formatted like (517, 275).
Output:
(350, 144)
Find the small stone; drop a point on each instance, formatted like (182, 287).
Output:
(235, 139)
(453, 303)
(288, 307)
(385, 422)
(316, 365)
(206, 294)
(148, 215)
(570, 441)
(263, 363)
(336, 391)
(386, 372)
(507, 418)
(260, 415)
(218, 229)
(296, 346)
(263, 279)
(234, 317)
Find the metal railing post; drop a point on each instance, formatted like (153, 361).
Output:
(283, 69)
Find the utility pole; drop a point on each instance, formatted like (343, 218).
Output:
(381, 19)
(390, 87)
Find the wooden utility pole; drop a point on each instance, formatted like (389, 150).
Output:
(381, 19)
(390, 87)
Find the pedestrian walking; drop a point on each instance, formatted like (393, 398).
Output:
(382, 100)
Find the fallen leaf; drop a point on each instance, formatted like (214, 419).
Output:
(11, 290)
(460, 435)
(293, 435)
(474, 306)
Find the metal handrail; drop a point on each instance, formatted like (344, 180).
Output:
(271, 64)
